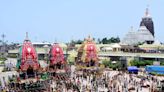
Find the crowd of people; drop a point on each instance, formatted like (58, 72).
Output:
(109, 81)
(91, 81)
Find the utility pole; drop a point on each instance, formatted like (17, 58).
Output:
(3, 44)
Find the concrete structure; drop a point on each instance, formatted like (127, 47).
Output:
(142, 56)
(148, 22)
(42, 49)
(135, 37)
(145, 33)
(108, 49)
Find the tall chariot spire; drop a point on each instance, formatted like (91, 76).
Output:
(27, 39)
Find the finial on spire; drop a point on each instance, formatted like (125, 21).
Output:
(147, 11)
(56, 40)
(89, 39)
(26, 39)
(26, 35)
(89, 36)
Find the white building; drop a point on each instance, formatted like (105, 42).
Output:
(143, 35)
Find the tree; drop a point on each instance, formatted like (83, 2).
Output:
(106, 62)
(79, 42)
(110, 40)
(76, 41)
(104, 40)
(141, 63)
(162, 63)
(114, 40)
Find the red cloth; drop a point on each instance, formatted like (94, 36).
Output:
(56, 54)
(91, 52)
(29, 57)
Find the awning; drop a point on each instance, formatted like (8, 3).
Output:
(132, 68)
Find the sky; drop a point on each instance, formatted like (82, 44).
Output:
(65, 20)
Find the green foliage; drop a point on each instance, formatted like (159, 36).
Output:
(141, 63)
(109, 64)
(2, 62)
(140, 43)
(12, 55)
(106, 62)
(44, 76)
(76, 41)
(3, 59)
(115, 66)
(162, 63)
(110, 40)
(71, 63)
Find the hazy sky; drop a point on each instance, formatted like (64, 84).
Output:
(63, 20)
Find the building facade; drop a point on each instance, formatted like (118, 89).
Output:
(148, 22)
(145, 33)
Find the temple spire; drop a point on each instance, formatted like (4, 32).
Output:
(26, 39)
(56, 40)
(89, 39)
(89, 36)
(147, 11)
(147, 21)
(26, 35)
